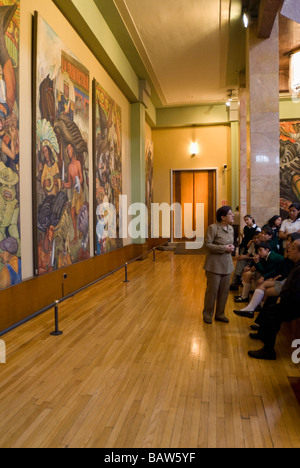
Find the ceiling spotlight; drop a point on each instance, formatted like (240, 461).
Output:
(246, 20)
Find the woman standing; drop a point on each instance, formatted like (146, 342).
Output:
(219, 241)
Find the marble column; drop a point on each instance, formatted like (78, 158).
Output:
(244, 180)
(138, 159)
(263, 124)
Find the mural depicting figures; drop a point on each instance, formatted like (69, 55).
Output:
(289, 165)
(61, 159)
(108, 171)
(10, 245)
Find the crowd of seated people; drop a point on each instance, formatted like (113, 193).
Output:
(269, 264)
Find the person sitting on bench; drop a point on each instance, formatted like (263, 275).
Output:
(286, 309)
(271, 287)
(266, 264)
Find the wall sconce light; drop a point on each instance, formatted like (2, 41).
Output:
(194, 149)
(246, 19)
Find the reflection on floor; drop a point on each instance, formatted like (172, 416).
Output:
(137, 367)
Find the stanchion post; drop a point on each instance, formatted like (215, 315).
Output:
(126, 273)
(154, 250)
(57, 332)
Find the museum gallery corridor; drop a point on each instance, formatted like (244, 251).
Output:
(137, 367)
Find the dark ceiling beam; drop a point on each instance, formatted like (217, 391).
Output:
(268, 11)
(251, 7)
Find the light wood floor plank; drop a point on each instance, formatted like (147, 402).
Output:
(137, 367)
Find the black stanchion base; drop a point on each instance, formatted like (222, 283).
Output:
(56, 333)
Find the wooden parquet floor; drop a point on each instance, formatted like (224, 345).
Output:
(136, 367)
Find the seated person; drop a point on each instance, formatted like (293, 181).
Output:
(275, 224)
(244, 260)
(270, 238)
(267, 233)
(249, 230)
(286, 309)
(291, 225)
(271, 287)
(265, 266)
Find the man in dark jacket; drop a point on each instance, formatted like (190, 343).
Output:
(286, 309)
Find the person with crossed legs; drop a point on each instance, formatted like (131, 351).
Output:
(286, 309)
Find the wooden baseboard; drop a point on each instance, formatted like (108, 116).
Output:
(22, 301)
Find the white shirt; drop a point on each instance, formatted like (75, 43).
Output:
(289, 227)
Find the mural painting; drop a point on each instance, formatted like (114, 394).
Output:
(10, 244)
(61, 154)
(289, 165)
(108, 171)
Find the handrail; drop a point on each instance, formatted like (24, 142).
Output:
(55, 304)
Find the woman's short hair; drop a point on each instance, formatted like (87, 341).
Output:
(223, 211)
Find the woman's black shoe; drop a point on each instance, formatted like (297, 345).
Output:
(255, 336)
(242, 313)
(240, 299)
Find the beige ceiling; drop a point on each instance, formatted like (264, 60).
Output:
(192, 51)
(184, 46)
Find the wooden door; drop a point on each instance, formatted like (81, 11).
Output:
(192, 187)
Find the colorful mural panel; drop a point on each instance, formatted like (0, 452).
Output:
(289, 165)
(61, 157)
(108, 171)
(10, 244)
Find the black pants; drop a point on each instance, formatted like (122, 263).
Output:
(270, 320)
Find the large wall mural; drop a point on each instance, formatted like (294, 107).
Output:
(10, 244)
(61, 160)
(108, 171)
(289, 165)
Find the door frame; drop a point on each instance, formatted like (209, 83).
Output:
(202, 169)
